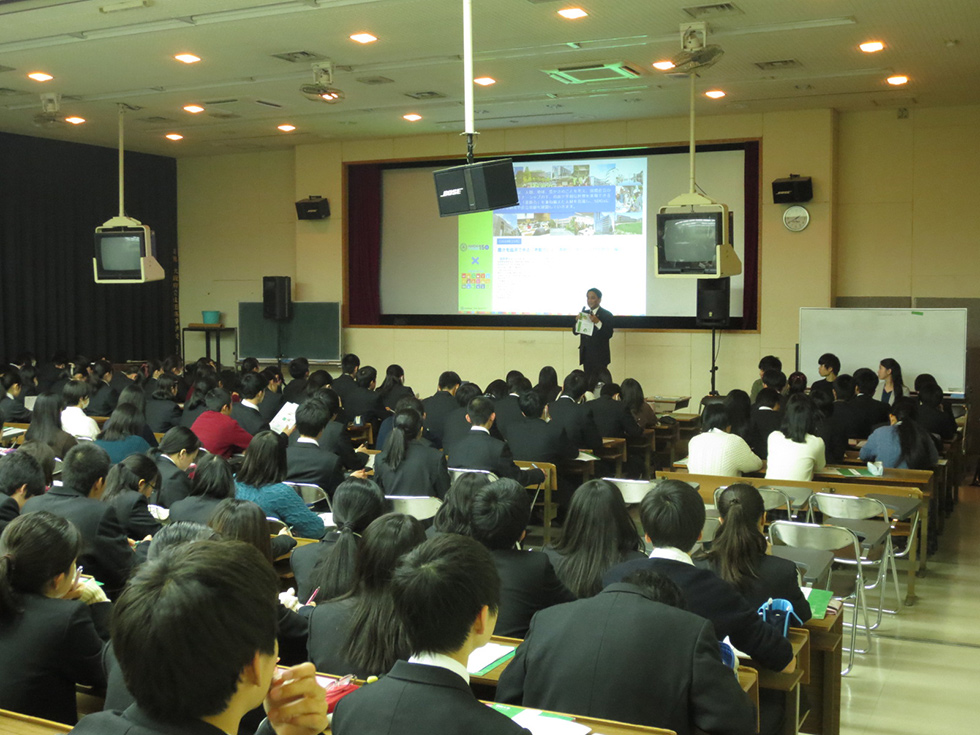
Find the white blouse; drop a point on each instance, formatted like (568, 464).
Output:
(717, 452)
(790, 460)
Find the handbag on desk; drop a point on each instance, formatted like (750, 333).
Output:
(779, 613)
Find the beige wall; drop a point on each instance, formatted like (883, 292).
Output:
(237, 223)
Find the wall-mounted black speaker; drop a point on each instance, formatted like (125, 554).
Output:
(794, 190)
(714, 296)
(277, 297)
(476, 187)
(313, 208)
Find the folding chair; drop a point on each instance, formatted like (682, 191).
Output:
(633, 490)
(421, 507)
(275, 525)
(798, 496)
(830, 538)
(310, 493)
(455, 472)
(772, 499)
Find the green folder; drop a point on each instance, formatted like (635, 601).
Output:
(494, 664)
(819, 599)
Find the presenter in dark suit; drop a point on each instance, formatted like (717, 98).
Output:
(602, 657)
(593, 349)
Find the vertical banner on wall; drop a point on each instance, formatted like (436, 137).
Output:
(475, 263)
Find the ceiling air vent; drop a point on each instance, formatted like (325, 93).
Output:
(297, 57)
(5, 68)
(156, 119)
(586, 73)
(699, 12)
(209, 103)
(779, 65)
(267, 103)
(224, 115)
(425, 95)
(375, 80)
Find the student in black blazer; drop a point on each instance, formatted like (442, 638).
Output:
(863, 413)
(273, 400)
(457, 426)
(574, 417)
(934, 417)
(439, 405)
(406, 465)
(21, 477)
(247, 412)
(532, 439)
(362, 404)
(106, 553)
(295, 390)
(393, 388)
(162, 411)
(127, 489)
(12, 409)
(306, 460)
(50, 639)
(335, 438)
(673, 516)
(528, 583)
(430, 692)
(611, 416)
(104, 396)
(508, 408)
(765, 419)
(230, 589)
(603, 657)
(177, 452)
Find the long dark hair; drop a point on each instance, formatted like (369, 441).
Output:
(265, 461)
(453, 515)
(394, 376)
(242, 520)
(34, 549)
(213, 478)
(165, 388)
(631, 394)
(376, 638)
(135, 396)
(204, 383)
(898, 387)
(124, 422)
(913, 439)
(356, 503)
(547, 386)
(598, 533)
(45, 419)
(738, 404)
(178, 439)
(738, 544)
(799, 418)
(128, 474)
(405, 427)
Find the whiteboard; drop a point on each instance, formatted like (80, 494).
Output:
(921, 340)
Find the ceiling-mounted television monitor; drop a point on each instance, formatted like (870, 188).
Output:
(126, 255)
(695, 244)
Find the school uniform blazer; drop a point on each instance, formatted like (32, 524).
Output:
(365, 404)
(103, 400)
(621, 656)
(612, 418)
(46, 650)
(106, 553)
(174, 482)
(457, 427)
(508, 410)
(437, 408)
(336, 440)
(303, 562)
(762, 423)
(249, 418)
(709, 596)
(307, 462)
(422, 472)
(480, 451)
(189, 415)
(537, 440)
(13, 411)
(416, 699)
(295, 390)
(162, 415)
(936, 421)
(271, 403)
(195, 508)
(8, 510)
(328, 636)
(390, 398)
(528, 583)
(860, 415)
(132, 509)
(576, 420)
(777, 579)
(134, 721)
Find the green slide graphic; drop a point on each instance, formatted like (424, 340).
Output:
(475, 262)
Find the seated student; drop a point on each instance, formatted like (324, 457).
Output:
(21, 478)
(481, 451)
(457, 426)
(106, 553)
(597, 535)
(496, 390)
(796, 383)
(162, 411)
(344, 383)
(393, 388)
(446, 593)
(385, 431)
(196, 402)
(76, 395)
(128, 487)
(359, 633)
(828, 366)
(104, 396)
(892, 387)
(715, 451)
(574, 417)
(133, 395)
(508, 407)
(631, 654)
(739, 409)
(272, 400)
(44, 455)
(453, 515)
(246, 412)
(295, 389)
(769, 362)
(795, 452)
(120, 437)
(933, 415)
(766, 418)
(335, 438)
(532, 439)
(51, 626)
(240, 520)
(834, 439)
(327, 567)
(260, 480)
(863, 413)
(611, 416)
(213, 482)
(406, 465)
(631, 393)
(206, 677)
(12, 409)
(903, 443)
(174, 456)
(673, 516)
(547, 386)
(218, 431)
(46, 425)
(498, 518)
(306, 460)
(740, 553)
(439, 405)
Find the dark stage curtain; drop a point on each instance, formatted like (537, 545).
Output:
(364, 244)
(53, 194)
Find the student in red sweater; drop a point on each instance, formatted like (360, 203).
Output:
(219, 433)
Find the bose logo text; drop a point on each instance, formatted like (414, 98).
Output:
(450, 193)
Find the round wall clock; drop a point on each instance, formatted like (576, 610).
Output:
(796, 218)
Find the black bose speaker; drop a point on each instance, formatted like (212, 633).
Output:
(713, 300)
(476, 187)
(313, 208)
(277, 297)
(794, 190)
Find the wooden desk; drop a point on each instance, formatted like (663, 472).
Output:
(823, 689)
(668, 404)
(548, 489)
(12, 723)
(789, 684)
(614, 449)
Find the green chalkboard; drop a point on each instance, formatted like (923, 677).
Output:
(312, 332)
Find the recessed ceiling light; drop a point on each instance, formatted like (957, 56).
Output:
(484, 81)
(572, 13)
(330, 95)
(174, 136)
(188, 58)
(412, 117)
(287, 128)
(40, 76)
(870, 47)
(363, 38)
(663, 65)
(75, 120)
(193, 108)
(715, 94)
(898, 80)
